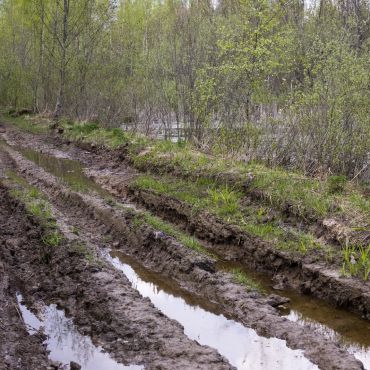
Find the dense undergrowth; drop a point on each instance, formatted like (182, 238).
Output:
(269, 80)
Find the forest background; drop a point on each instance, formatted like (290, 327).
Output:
(285, 82)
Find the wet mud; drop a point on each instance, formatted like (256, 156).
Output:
(63, 341)
(240, 345)
(101, 301)
(197, 275)
(18, 350)
(193, 272)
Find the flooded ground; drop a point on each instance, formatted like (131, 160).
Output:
(333, 322)
(65, 343)
(354, 346)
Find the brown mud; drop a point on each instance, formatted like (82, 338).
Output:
(308, 274)
(193, 272)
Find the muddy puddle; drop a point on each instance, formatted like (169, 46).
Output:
(351, 330)
(69, 171)
(335, 323)
(241, 346)
(65, 343)
(362, 353)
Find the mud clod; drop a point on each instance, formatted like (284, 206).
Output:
(74, 366)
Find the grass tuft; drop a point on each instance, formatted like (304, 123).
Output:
(227, 203)
(31, 124)
(112, 138)
(356, 261)
(242, 278)
(37, 206)
(169, 229)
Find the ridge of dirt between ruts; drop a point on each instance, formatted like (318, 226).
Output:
(232, 243)
(190, 270)
(18, 349)
(98, 297)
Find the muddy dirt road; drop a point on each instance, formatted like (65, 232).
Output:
(130, 295)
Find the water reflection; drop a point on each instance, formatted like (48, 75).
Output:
(69, 171)
(66, 344)
(361, 352)
(240, 345)
(334, 323)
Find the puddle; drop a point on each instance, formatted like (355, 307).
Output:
(241, 346)
(335, 323)
(69, 171)
(66, 344)
(362, 353)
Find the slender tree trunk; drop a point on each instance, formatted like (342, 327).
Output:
(60, 97)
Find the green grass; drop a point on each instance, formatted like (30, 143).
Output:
(356, 261)
(182, 157)
(308, 198)
(37, 206)
(203, 193)
(52, 238)
(83, 250)
(75, 230)
(33, 125)
(112, 138)
(227, 203)
(242, 278)
(157, 223)
(169, 229)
